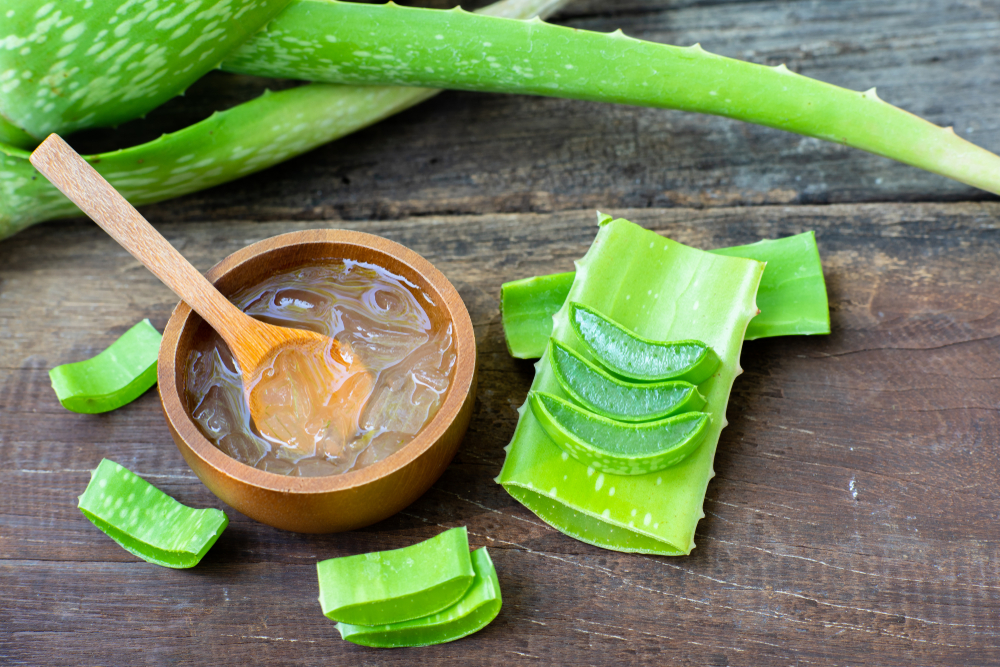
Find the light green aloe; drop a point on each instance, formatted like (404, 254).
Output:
(659, 289)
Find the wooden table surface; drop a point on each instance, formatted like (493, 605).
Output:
(854, 518)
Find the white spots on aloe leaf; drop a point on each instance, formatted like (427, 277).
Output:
(611, 491)
(590, 471)
(565, 456)
(606, 514)
(10, 13)
(600, 482)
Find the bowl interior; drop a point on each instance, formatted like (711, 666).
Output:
(258, 262)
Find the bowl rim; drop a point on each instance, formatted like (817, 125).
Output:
(174, 403)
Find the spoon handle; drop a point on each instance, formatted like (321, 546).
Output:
(81, 183)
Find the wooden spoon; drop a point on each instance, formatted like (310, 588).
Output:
(253, 343)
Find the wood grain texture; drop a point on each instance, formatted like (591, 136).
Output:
(853, 519)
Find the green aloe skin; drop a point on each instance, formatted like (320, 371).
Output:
(651, 285)
(233, 143)
(472, 613)
(792, 296)
(147, 522)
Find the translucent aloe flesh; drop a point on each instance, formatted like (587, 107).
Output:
(617, 447)
(116, 376)
(472, 613)
(611, 397)
(233, 143)
(650, 285)
(322, 40)
(398, 585)
(792, 296)
(147, 522)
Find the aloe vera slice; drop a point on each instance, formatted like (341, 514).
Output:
(399, 585)
(477, 608)
(147, 522)
(116, 376)
(628, 354)
(613, 398)
(792, 296)
(655, 513)
(65, 66)
(339, 42)
(617, 447)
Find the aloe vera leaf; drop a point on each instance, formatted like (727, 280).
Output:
(477, 608)
(650, 285)
(233, 143)
(399, 585)
(630, 355)
(614, 398)
(792, 296)
(147, 522)
(116, 376)
(617, 447)
(67, 66)
(324, 40)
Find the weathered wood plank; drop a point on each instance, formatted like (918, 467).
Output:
(853, 519)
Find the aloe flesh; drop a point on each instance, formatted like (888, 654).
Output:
(630, 355)
(472, 613)
(792, 296)
(617, 447)
(322, 40)
(655, 513)
(618, 399)
(147, 522)
(398, 585)
(115, 377)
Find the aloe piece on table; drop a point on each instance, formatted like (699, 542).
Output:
(65, 66)
(147, 522)
(654, 513)
(116, 376)
(616, 447)
(399, 585)
(232, 143)
(611, 397)
(336, 42)
(792, 296)
(477, 608)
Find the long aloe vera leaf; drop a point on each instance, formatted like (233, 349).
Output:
(147, 522)
(657, 288)
(792, 296)
(232, 143)
(71, 65)
(325, 40)
(472, 613)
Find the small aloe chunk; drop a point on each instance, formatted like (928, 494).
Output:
(477, 608)
(615, 447)
(398, 585)
(147, 522)
(611, 397)
(630, 355)
(113, 378)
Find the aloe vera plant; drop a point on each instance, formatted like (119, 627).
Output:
(62, 69)
(661, 290)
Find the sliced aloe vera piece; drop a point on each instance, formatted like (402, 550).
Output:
(615, 447)
(628, 354)
(147, 522)
(655, 513)
(399, 585)
(792, 296)
(614, 398)
(477, 608)
(117, 376)
(74, 65)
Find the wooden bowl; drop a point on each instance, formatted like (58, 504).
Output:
(336, 502)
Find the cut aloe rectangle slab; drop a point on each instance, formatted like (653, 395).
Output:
(147, 522)
(472, 613)
(661, 290)
(398, 585)
(114, 377)
(792, 296)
